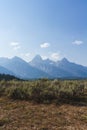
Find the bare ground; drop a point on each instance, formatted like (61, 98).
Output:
(24, 115)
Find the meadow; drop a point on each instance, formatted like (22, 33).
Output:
(43, 105)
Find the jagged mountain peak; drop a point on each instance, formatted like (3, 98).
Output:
(38, 68)
(16, 58)
(64, 60)
(48, 61)
(37, 58)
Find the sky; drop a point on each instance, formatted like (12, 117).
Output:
(51, 28)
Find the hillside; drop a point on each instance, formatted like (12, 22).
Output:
(7, 77)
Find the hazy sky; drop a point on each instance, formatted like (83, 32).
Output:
(51, 28)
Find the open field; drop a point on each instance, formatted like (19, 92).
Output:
(23, 115)
(43, 105)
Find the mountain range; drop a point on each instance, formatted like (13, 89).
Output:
(39, 68)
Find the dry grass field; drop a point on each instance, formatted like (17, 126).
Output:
(19, 109)
(24, 115)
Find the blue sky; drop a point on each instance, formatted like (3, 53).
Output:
(51, 28)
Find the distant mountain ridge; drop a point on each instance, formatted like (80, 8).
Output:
(39, 68)
(22, 69)
(59, 69)
(3, 70)
(7, 77)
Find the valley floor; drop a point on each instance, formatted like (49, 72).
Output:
(24, 115)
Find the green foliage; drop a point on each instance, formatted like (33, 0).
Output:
(19, 93)
(45, 91)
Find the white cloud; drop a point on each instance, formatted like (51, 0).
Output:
(15, 45)
(77, 42)
(55, 56)
(45, 45)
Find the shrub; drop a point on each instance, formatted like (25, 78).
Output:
(44, 90)
(19, 93)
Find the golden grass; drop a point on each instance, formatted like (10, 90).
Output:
(25, 115)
